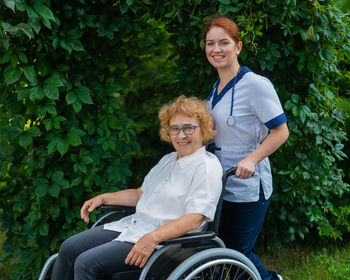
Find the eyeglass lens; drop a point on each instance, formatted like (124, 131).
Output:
(187, 129)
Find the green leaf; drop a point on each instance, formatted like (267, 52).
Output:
(42, 186)
(11, 75)
(62, 146)
(54, 211)
(48, 124)
(46, 22)
(51, 109)
(58, 175)
(31, 13)
(76, 181)
(25, 140)
(74, 139)
(77, 106)
(54, 82)
(123, 7)
(30, 74)
(225, 2)
(44, 229)
(71, 97)
(36, 93)
(329, 94)
(43, 10)
(52, 146)
(295, 98)
(84, 95)
(87, 160)
(64, 184)
(19, 121)
(54, 190)
(5, 58)
(63, 202)
(34, 131)
(22, 57)
(77, 192)
(51, 92)
(10, 4)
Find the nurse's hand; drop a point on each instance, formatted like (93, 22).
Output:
(245, 169)
(142, 250)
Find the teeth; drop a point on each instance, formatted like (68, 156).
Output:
(218, 56)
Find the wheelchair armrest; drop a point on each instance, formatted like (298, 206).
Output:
(190, 237)
(118, 208)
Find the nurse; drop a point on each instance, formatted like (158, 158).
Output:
(250, 125)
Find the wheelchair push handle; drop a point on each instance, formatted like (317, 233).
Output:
(230, 172)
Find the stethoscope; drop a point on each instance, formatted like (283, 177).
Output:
(231, 120)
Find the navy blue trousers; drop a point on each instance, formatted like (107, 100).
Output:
(240, 225)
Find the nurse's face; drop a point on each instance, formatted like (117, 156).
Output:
(186, 144)
(222, 51)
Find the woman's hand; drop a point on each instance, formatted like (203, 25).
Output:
(89, 206)
(142, 250)
(276, 137)
(245, 168)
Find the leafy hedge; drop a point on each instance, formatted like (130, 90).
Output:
(82, 78)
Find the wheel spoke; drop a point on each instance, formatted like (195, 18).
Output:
(228, 273)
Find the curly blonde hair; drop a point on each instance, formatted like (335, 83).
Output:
(192, 107)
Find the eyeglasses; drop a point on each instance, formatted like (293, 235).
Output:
(188, 129)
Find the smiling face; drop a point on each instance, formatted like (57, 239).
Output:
(186, 144)
(222, 50)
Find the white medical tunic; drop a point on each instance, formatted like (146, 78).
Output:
(174, 188)
(256, 109)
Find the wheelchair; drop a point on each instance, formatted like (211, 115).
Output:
(199, 255)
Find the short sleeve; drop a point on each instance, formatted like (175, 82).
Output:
(205, 191)
(266, 104)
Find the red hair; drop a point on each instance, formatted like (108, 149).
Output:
(224, 22)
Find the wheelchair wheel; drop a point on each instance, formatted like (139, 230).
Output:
(218, 264)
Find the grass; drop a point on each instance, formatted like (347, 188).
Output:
(308, 263)
(5, 269)
(293, 262)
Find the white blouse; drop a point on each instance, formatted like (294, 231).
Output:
(174, 188)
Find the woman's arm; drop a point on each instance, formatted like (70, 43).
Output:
(145, 245)
(128, 197)
(276, 137)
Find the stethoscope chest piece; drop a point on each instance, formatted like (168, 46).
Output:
(231, 121)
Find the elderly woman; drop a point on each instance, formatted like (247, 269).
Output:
(177, 196)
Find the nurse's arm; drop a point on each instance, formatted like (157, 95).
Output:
(128, 197)
(144, 247)
(276, 137)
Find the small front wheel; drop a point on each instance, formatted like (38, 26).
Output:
(216, 264)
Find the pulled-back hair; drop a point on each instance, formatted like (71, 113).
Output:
(194, 108)
(224, 22)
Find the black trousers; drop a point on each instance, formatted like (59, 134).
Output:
(90, 255)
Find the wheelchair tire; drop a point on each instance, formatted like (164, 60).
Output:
(218, 264)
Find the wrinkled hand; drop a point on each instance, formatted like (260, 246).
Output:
(142, 250)
(245, 169)
(89, 206)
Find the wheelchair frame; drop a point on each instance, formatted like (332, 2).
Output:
(199, 255)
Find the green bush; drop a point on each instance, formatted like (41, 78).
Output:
(64, 135)
(80, 79)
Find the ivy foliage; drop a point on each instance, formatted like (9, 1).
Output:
(81, 79)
